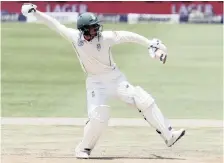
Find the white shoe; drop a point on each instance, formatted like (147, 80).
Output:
(176, 135)
(82, 154)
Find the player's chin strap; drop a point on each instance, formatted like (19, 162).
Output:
(99, 32)
(98, 35)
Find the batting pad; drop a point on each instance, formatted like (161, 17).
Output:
(125, 92)
(144, 102)
(98, 121)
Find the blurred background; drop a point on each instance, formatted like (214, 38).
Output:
(118, 11)
(41, 75)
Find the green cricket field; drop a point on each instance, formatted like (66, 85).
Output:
(41, 78)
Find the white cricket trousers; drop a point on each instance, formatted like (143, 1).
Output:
(102, 87)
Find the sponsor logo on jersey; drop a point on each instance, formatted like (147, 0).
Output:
(98, 46)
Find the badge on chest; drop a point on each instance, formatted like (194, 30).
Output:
(80, 42)
(98, 46)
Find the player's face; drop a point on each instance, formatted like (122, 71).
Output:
(92, 32)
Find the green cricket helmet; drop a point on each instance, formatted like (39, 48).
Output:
(87, 21)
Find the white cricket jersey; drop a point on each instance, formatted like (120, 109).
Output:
(95, 56)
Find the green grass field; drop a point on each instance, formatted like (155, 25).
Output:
(41, 75)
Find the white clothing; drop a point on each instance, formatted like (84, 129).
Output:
(103, 76)
(105, 80)
(94, 56)
(101, 88)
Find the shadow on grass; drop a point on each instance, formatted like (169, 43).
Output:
(155, 157)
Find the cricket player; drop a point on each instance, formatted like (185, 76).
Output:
(104, 79)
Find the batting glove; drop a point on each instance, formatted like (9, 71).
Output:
(28, 9)
(158, 50)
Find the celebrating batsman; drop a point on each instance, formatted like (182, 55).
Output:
(104, 79)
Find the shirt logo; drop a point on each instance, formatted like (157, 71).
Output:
(98, 46)
(93, 17)
(80, 42)
(93, 94)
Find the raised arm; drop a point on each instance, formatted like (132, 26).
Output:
(155, 47)
(52, 23)
(125, 36)
(30, 10)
